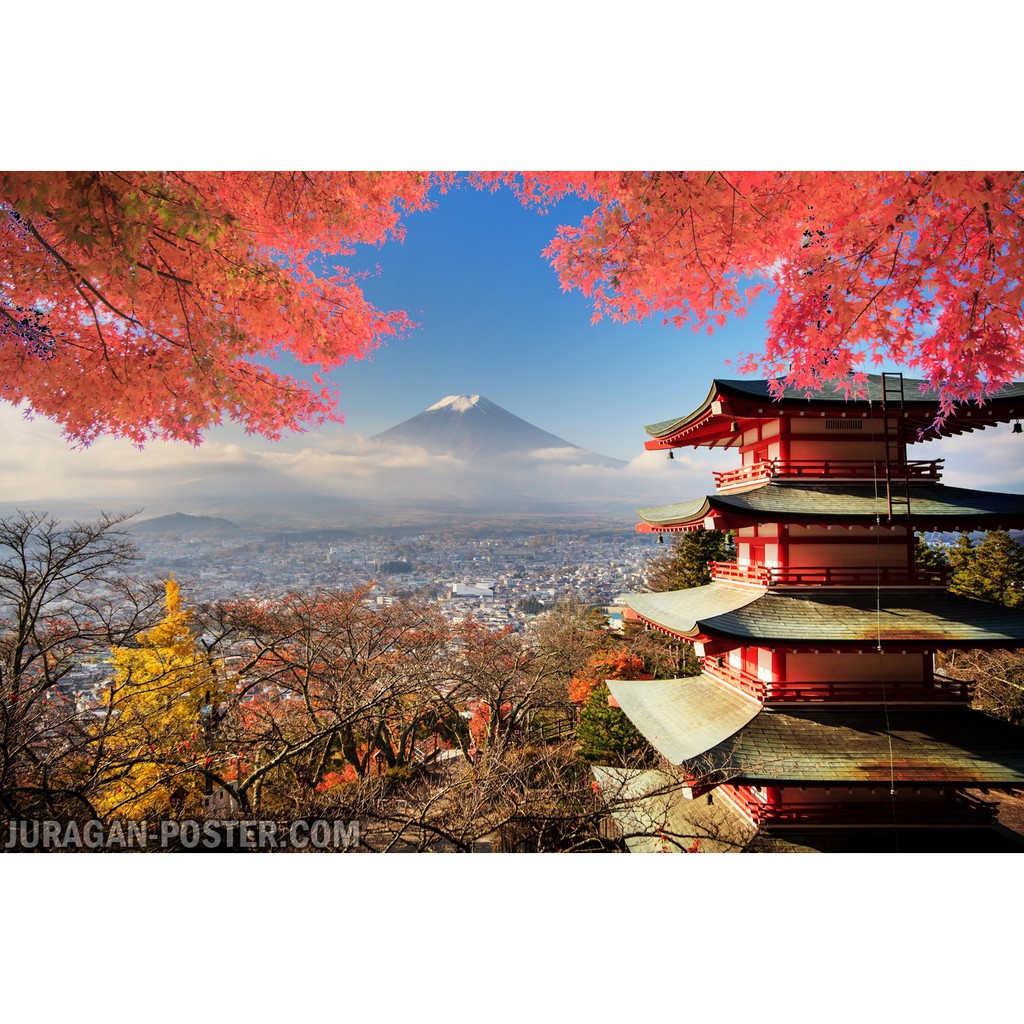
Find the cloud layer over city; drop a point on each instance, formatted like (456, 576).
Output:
(252, 478)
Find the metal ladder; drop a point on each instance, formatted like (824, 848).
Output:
(897, 473)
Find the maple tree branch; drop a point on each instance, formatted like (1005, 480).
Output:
(884, 284)
(737, 194)
(78, 282)
(696, 252)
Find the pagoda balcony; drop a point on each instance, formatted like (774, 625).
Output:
(957, 809)
(758, 575)
(821, 469)
(938, 690)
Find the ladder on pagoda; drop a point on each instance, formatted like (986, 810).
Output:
(897, 474)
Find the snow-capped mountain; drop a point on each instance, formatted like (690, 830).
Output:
(472, 427)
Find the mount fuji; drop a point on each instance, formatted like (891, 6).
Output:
(473, 428)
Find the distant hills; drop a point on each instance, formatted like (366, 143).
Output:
(473, 428)
(181, 524)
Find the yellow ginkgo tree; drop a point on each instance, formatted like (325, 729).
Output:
(164, 700)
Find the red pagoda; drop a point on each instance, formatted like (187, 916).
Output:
(819, 720)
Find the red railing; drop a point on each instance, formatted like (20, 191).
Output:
(957, 809)
(760, 575)
(821, 469)
(720, 669)
(939, 690)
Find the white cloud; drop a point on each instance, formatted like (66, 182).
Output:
(334, 471)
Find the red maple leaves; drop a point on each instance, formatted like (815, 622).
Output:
(149, 305)
(921, 269)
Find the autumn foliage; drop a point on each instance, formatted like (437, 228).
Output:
(617, 664)
(148, 304)
(920, 268)
(163, 701)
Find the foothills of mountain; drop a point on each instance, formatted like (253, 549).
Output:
(182, 524)
(473, 428)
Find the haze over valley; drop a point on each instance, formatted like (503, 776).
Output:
(464, 460)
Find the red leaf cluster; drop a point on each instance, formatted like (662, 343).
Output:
(924, 269)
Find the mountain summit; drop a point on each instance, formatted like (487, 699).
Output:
(458, 403)
(472, 427)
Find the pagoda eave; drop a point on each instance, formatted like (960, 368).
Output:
(924, 618)
(948, 746)
(932, 506)
(728, 402)
(683, 718)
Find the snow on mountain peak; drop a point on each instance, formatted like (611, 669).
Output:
(457, 403)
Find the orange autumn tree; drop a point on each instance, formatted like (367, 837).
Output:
(147, 304)
(925, 269)
(617, 664)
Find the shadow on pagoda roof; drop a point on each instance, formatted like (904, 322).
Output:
(832, 616)
(933, 506)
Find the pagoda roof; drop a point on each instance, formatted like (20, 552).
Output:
(711, 423)
(653, 814)
(832, 616)
(932, 506)
(875, 745)
(683, 717)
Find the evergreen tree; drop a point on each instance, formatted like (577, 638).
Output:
(685, 564)
(992, 570)
(607, 736)
(930, 556)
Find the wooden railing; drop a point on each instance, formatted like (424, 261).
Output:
(821, 469)
(720, 669)
(939, 690)
(957, 809)
(760, 575)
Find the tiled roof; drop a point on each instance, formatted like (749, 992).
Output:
(683, 717)
(948, 745)
(832, 615)
(912, 393)
(680, 512)
(883, 840)
(653, 816)
(682, 611)
(841, 502)
(915, 401)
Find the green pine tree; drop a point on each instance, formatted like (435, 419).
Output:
(992, 570)
(607, 736)
(930, 556)
(685, 564)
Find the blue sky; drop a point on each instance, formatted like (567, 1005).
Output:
(495, 321)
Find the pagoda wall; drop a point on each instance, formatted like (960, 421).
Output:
(761, 662)
(803, 668)
(834, 438)
(813, 438)
(760, 451)
(799, 546)
(867, 554)
(812, 449)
